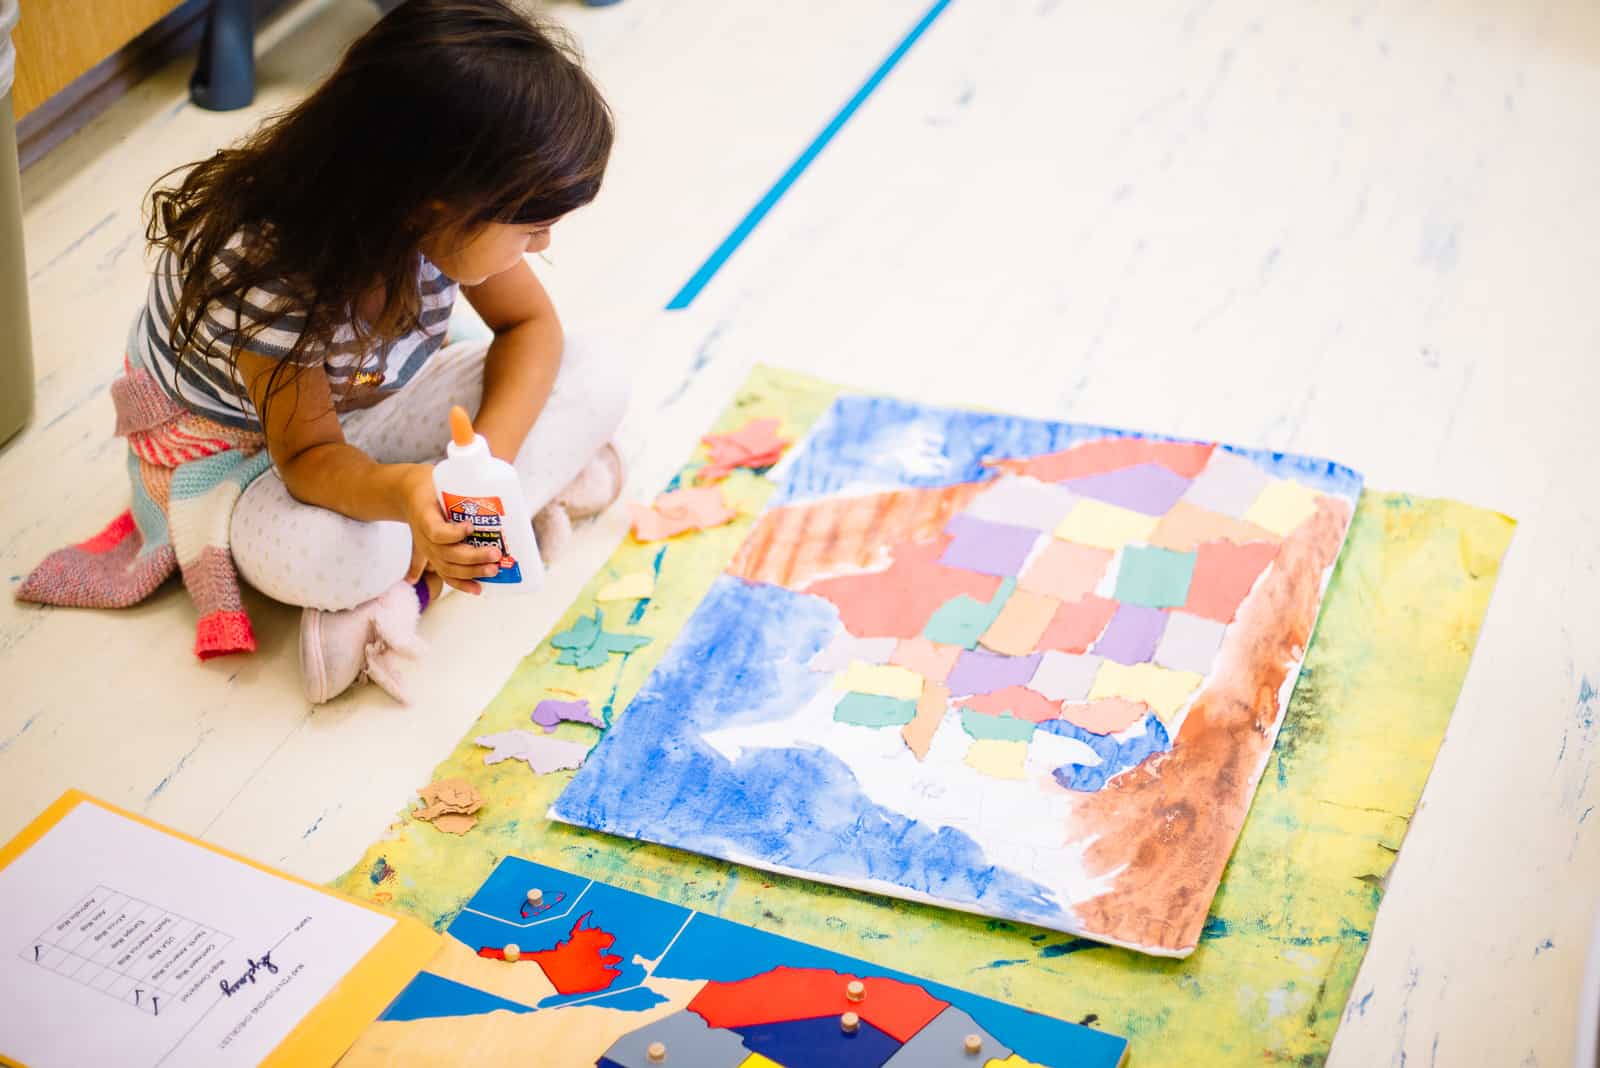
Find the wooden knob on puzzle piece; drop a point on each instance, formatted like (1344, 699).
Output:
(657, 1052)
(536, 897)
(855, 990)
(972, 1044)
(849, 1023)
(512, 952)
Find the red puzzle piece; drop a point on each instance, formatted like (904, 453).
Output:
(580, 965)
(785, 993)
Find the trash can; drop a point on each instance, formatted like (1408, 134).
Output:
(16, 340)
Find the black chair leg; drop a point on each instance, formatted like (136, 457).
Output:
(225, 76)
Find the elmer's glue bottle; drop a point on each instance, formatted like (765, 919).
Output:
(475, 487)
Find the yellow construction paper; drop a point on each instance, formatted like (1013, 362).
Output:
(1282, 506)
(885, 680)
(1289, 925)
(997, 757)
(1163, 689)
(1105, 526)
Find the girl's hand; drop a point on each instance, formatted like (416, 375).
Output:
(439, 545)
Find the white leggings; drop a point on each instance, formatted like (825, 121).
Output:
(304, 555)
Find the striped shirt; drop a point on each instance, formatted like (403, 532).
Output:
(361, 372)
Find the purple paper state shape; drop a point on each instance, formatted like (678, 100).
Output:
(987, 548)
(1132, 634)
(1147, 488)
(979, 672)
(548, 713)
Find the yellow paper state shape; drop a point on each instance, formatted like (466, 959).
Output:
(885, 680)
(1162, 689)
(1105, 526)
(628, 587)
(997, 757)
(1282, 506)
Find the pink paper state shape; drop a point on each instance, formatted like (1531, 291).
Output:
(754, 445)
(1183, 458)
(1022, 502)
(1229, 484)
(1224, 574)
(980, 672)
(1064, 676)
(846, 649)
(1077, 624)
(1132, 634)
(1149, 489)
(1021, 701)
(899, 600)
(987, 548)
(1107, 715)
(549, 712)
(679, 511)
(1189, 643)
(542, 754)
(1065, 570)
(929, 659)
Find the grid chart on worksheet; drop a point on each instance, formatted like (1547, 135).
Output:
(130, 950)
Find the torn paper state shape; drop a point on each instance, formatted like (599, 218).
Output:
(997, 758)
(929, 659)
(1189, 643)
(1165, 691)
(1188, 526)
(1078, 624)
(679, 511)
(1106, 715)
(541, 753)
(1229, 483)
(1020, 702)
(1132, 634)
(977, 671)
(1150, 489)
(882, 679)
(1064, 676)
(846, 648)
(1224, 574)
(549, 712)
(754, 445)
(449, 805)
(931, 707)
(1065, 570)
(961, 619)
(874, 710)
(1021, 623)
(1283, 506)
(988, 548)
(1155, 578)
(1023, 502)
(630, 587)
(1105, 526)
(587, 644)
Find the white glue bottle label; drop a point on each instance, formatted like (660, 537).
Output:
(474, 487)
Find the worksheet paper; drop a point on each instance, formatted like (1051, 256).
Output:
(123, 945)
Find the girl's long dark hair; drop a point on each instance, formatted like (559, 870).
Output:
(446, 114)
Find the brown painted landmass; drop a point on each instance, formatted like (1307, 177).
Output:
(1174, 820)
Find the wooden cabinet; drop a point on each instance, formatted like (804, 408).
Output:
(58, 40)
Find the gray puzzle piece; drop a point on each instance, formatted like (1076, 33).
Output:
(689, 1042)
(941, 1044)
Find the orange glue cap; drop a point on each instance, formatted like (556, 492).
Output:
(461, 426)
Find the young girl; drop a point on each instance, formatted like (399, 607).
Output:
(287, 384)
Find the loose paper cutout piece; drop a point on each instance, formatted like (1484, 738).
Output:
(1189, 643)
(931, 707)
(1022, 702)
(929, 659)
(1183, 458)
(881, 679)
(1065, 570)
(1021, 623)
(679, 511)
(1105, 526)
(1188, 526)
(1064, 676)
(549, 712)
(1078, 624)
(846, 649)
(587, 644)
(988, 548)
(979, 672)
(1107, 715)
(1132, 634)
(1023, 502)
(630, 587)
(1155, 578)
(1283, 506)
(997, 758)
(541, 753)
(961, 620)
(1223, 575)
(1229, 484)
(754, 445)
(449, 805)
(874, 710)
(1146, 488)
(1163, 690)
(895, 601)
